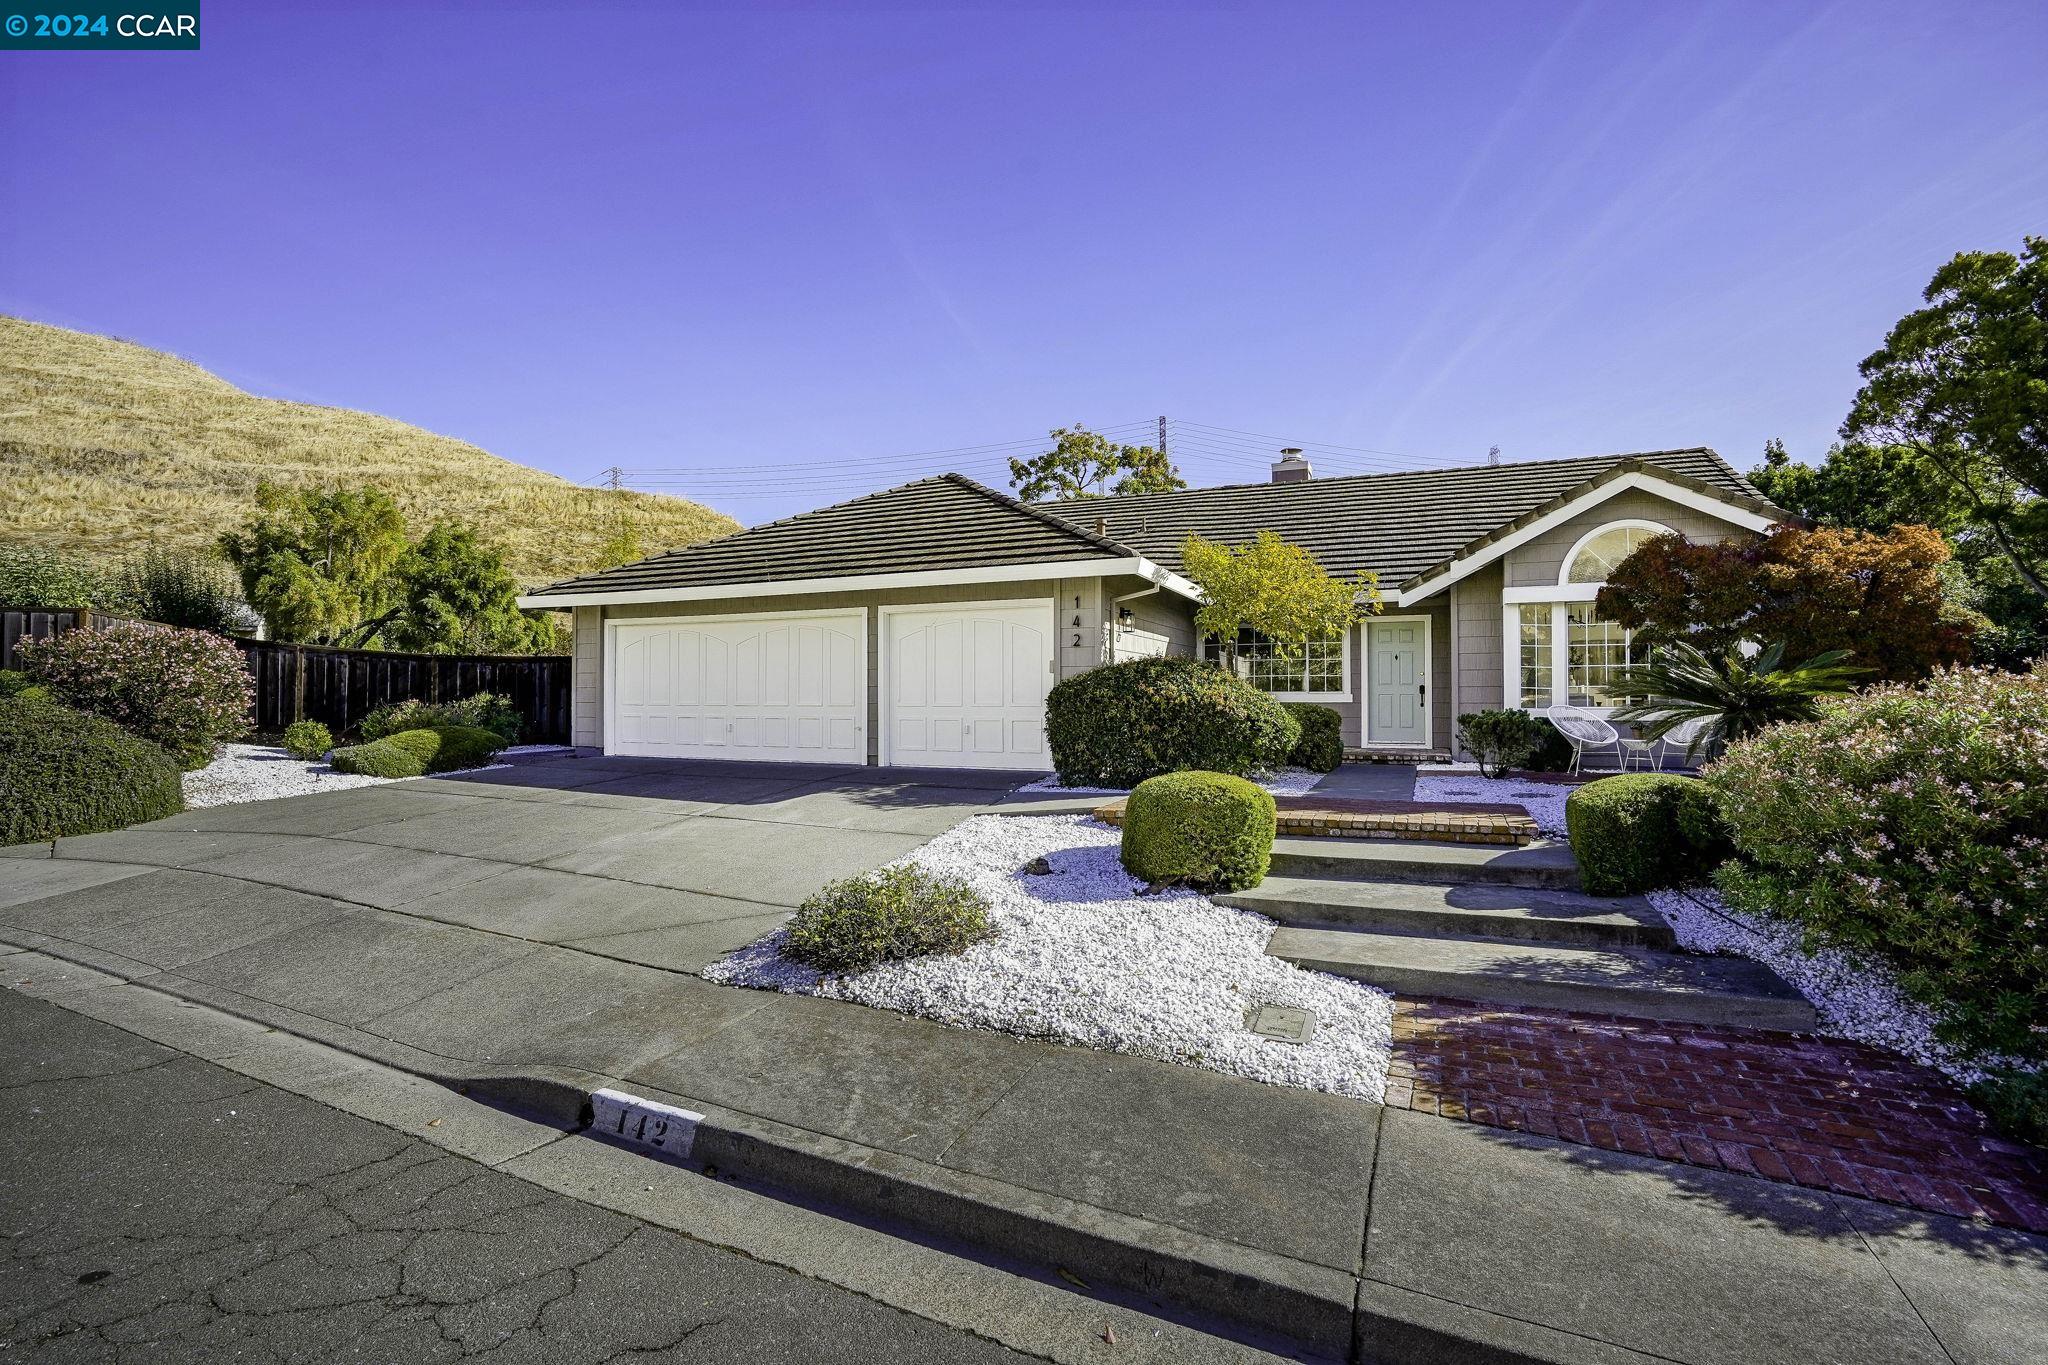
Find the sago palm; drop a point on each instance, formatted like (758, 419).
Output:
(1735, 696)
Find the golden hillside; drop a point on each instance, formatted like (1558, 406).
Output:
(106, 445)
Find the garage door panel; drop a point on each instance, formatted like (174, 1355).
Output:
(764, 688)
(966, 686)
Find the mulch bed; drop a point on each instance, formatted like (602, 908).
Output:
(1819, 1112)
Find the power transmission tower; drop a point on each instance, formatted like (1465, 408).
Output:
(611, 477)
(1162, 436)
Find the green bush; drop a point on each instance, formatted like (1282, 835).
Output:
(898, 912)
(412, 753)
(178, 588)
(482, 711)
(185, 690)
(1553, 752)
(1209, 830)
(308, 740)
(34, 577)
(1910, 824)
(1321, 746)
(1644, 830)
(1500, 739)
(65, 772)
(14, 683)
(1118, 725)
(2016, 1102)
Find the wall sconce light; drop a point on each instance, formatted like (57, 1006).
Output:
(1124, 616)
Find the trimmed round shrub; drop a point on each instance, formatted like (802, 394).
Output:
(1644, 830)
(1909, 823)
(185, 690)
(1208, 830)
(307, 740)
(65, 772)
(1118, 725)
(886, 916)
(483, 711)
(1321, 746)
(413, 753)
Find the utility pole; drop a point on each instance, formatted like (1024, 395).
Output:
(1162, 436)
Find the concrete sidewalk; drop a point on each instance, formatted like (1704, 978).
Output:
(351, 919)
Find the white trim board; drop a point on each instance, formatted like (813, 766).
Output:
(1635, 480)
(1428, 673)
(1136, 566)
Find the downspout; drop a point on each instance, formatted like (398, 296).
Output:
(1116, 609)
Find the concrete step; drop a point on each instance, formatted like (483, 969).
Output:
(1475, 910)
(1543, 863)
(1645, 983)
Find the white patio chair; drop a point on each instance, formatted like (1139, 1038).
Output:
(1583, 730)
(1681, 737)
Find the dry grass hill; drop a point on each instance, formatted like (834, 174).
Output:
(106, 445)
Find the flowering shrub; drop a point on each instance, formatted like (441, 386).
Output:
(183, 689)
(1911, 823)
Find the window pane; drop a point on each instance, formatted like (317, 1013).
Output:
(1596, 652)
(1593, 563)
(1536, 691)
(1317, 667)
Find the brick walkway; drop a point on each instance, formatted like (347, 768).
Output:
(1810, 1111)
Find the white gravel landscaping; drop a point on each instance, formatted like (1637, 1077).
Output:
(259, 772)
(1080, 957)
(1544, 801)
(1285, 782)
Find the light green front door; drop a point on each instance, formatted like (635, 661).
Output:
(1397, 692)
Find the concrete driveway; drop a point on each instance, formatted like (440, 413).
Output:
(670, 863)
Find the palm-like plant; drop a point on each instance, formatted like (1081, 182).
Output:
(1733, 696)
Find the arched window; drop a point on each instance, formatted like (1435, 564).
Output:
(1598, 551)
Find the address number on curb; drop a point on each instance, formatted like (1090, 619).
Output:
(644, 1123)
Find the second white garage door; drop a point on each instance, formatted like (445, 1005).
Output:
(777, 687)
(964, 686)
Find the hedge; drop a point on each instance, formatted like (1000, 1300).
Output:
(1910, 824)
(412, 753)
(1208, 830)
(886, 916)
(64, 772)
(1321, 746)
(1118, 725)
(482, 711)
(1641, 831)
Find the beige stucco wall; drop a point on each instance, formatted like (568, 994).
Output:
(1081, 611)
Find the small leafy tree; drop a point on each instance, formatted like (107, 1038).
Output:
(1274, 588)
(1087, 464)
(455, 596)
(1879, 597)
(317, 564)
(1963, 383)
(1735, 696)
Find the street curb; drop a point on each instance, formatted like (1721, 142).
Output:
(1332, 1312)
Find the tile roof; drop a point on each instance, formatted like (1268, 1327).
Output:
(1396, 524)
(945, 522)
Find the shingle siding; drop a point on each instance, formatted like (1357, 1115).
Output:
(1540, 562)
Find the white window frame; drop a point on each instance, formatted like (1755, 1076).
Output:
(1344, 663)
(1428, 677)
(1560, 654)
(1564, 570)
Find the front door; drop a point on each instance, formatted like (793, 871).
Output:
(1397, 695)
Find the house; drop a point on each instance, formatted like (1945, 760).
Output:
(923, 625)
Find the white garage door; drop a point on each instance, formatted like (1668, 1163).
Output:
(964, 687)
(788, 688)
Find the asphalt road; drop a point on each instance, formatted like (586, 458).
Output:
(158, 1207)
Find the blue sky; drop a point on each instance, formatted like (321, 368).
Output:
(779, 251)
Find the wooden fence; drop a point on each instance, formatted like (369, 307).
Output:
(340, 686)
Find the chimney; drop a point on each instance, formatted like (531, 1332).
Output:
(1291, 467)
